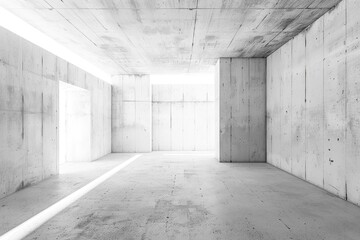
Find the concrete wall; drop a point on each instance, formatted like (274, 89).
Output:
(100, 93)
(131, 114)
(29, 90)
(74, 124)
(183, 117)
(313, 109)
(240, 96)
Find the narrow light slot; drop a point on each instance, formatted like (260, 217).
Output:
(206, 78)
(188, 154)
(20, 27)
(36, 221)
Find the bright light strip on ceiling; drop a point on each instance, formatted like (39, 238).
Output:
(188, 154)
(28, 32)
(36, 221)
(184, 78)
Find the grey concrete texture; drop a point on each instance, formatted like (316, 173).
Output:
(240, 109)
(194, 197)
(24, 204)
(100, 92)
(313, 103)
(131, 114)
(183, 117)
(164, 36)
(29, 91)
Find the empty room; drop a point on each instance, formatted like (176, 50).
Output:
(180, 119)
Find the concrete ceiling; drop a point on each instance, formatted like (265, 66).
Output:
(168, 36)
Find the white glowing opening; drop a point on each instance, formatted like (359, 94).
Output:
(16, 25)
(189, 154)
(184, 78)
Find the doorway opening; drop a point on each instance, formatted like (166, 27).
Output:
(74, 124)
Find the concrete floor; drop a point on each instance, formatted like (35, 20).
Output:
(170, 196)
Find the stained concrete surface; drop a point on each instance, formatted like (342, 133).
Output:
(313, 108)
(184, 196)
(240, 110)
(22, 205)
(158, 36)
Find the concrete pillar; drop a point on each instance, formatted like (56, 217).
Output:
(240, 93)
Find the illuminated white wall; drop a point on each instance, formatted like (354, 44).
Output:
(29, 88)
(74, 124)
(183, 117)
(131, 114)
